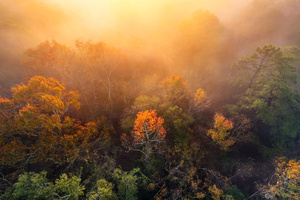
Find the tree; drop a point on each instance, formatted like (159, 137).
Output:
(266, 81)
(148, 133)
(36, 126)
(36, 186)
(178, 123)
(104, 191)
(68, 187)
(197, 48)
(126, 184)
(199, 103)
(176, 104)
(285, 183)
(221, 132)
(101, 64)
(49, 59)
(32, 186)
(175, 92)
(187, 179)
(226, 132)
(97, 70)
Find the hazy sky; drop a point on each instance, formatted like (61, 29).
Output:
(95, 18)
(126, 23)
(112, 21)
(145, 27)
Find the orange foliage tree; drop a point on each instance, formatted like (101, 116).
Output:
(147, 134)
(35, 126)
(179, 107)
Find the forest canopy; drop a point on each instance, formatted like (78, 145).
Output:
(149, 99)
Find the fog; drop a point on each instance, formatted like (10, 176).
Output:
(119, 22)
(163, 29)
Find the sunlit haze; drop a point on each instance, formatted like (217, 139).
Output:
(149, 99)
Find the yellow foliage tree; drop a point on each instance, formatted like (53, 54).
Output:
(285, 183)
(35, 125)
(220, 133)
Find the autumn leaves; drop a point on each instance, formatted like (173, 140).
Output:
(36, 126)
(178, 106)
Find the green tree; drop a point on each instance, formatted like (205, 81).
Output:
(68, 187)
(266, 81)
(104, 191)
(37, 186)
(31, 186)
(178, 123)
(127, 184)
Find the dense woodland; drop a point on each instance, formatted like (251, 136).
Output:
(218, 119)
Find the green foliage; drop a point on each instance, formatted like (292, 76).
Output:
(37, 186)
(227, 197)
(68, 187)
(143, 103)
(114, 183)
(175, 91)
(178, 122)
(267, 79)
(99, 169)
(31, 186)
(36, 131)
(103, 191)
(127, 123)
(126, 184)
(176, 104)
(233, 193)
(155, 165)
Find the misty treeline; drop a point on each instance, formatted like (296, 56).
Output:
(212, 113)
